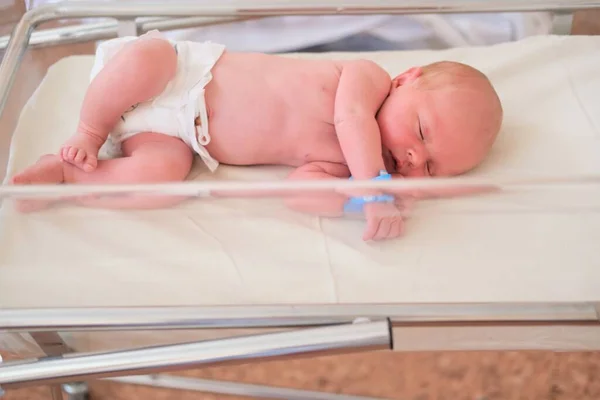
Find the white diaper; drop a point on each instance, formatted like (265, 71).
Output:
(173, 111)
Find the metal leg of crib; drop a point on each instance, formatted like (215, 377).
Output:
(232, 388)
(52, 344)
(56, 392)
(76, 391)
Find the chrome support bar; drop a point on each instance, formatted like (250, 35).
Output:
(56, 392)
(93, 31)
(156, 318)
(231, 388)
(239, 8)
(229, 8)
(52, 344)
(366, 336)
(127, 27)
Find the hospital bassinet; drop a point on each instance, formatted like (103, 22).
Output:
(236, 276)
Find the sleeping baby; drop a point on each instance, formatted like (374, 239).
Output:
(157, 103)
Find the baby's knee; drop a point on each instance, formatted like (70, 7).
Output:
(159, 158)
(158, 55)
(151, 63)
(172, 166)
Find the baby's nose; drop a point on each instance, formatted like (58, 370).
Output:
(415, 158)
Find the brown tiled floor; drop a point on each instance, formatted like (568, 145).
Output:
(586, 23)
(408, 376)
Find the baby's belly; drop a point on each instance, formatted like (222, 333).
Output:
(240, 142)
(320, 144)
(255, 122)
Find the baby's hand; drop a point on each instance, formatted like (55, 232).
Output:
(81, 151)
(384, 221)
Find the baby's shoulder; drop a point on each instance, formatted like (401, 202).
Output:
(365, 66)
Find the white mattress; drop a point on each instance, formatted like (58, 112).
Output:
(519, 246)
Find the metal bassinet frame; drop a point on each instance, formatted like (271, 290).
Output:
(300, 330)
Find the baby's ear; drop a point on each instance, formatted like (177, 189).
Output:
(407, 76)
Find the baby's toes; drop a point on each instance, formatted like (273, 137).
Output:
(65, 153)
(74, 154)
(78, 156)
(20, 179)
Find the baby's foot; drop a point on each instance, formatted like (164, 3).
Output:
(47, 170)
(81, 151)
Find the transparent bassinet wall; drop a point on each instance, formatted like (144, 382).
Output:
(234, 241)
(514, 242)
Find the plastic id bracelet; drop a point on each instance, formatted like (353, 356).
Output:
(356, 204)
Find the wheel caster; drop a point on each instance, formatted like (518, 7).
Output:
(76, 391)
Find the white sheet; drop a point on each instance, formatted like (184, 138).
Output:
(510, 247)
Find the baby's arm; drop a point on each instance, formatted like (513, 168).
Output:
(138, 72)
(319, 202)
(362, 89)
(330, 203)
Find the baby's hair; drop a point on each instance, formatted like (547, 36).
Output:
(443, 73)
(454, 75)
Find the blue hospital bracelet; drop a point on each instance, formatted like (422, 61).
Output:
(356, 204)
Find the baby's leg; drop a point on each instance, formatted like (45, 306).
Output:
(138, 72)
(148, 158)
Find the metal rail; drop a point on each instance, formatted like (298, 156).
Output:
(238, 8)
(231, 389)
(159, 318)
(104, 30)
(366, 336)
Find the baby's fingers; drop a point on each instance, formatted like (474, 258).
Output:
(384, 229)
(396, 228)
(372, 228)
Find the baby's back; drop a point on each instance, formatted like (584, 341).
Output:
(266, 109)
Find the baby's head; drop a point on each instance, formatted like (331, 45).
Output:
(439, 120)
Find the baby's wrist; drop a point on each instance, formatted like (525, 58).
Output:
(356, 203)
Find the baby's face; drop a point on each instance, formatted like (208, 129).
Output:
(444, 131)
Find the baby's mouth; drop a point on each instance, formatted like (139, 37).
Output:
(388, 161)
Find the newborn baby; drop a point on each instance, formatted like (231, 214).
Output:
(158, 102)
